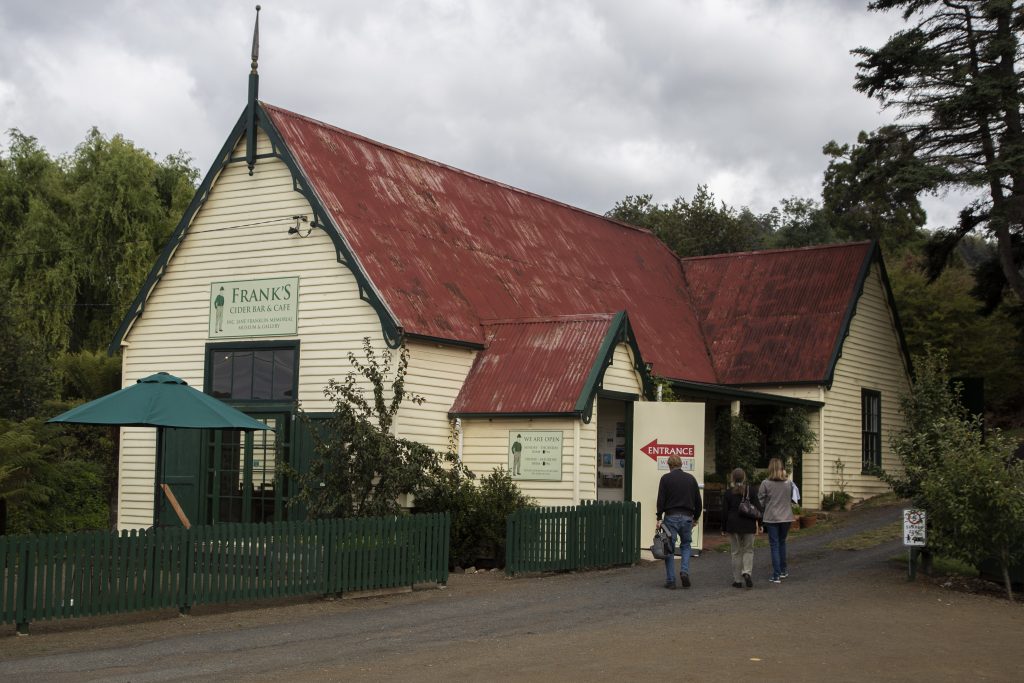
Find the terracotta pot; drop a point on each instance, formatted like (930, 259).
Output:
(795, 524)
(807, 522)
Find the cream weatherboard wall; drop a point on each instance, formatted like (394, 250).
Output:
(486, 441)
(437, 373)
(486, 447)
(871, 358)
(240, 232)
(621, 375)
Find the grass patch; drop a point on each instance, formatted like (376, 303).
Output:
(884, 500)
(942, 566)
(824, 525)
(869, 539)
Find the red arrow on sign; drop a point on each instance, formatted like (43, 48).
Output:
(655, 449)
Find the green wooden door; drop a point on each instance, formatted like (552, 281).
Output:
(243, 483)
(182, 466)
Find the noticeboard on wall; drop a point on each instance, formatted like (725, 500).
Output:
(254, 308)
(535, 455)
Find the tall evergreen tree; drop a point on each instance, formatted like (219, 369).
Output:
(871, 188)
(953, 78)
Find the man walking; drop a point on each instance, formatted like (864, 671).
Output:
(680, 503)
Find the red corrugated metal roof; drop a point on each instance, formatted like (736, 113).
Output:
(776, 316)
(445, 249)
(559, 354)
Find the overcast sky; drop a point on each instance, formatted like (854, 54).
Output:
(583, 101)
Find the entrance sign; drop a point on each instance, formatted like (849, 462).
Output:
(914, 533)
(660, 454)
(535, 455)
(254, 308)
(662, 429)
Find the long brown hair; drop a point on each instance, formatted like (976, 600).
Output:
(739, 481)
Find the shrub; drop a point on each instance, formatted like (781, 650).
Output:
(479, 512)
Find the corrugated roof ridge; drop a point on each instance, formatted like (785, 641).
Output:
(733, 254)
(578, 317)
(490, 181)
(699, 317)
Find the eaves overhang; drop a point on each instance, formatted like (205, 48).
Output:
(726, 393)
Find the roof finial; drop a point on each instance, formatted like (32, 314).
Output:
(256, 41)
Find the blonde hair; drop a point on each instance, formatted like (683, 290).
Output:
(776, 470)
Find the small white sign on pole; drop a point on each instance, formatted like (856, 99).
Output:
(914, 527)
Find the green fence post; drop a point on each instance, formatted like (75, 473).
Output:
(21, 617)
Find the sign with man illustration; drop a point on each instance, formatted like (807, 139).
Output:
(535, 455)
(254, 308)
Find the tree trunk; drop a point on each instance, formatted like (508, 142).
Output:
(1004, 562)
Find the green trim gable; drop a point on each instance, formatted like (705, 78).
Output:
(619, 331)
(321, 219)
(874, 254)
(138, 305)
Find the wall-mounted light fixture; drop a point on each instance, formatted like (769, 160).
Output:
(300, 229)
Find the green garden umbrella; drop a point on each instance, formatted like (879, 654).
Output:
(160, 400)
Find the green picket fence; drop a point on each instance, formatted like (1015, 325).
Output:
(565, 538)
(91, 573)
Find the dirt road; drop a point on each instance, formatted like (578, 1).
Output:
(842, 616)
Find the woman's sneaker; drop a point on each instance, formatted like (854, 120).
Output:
(775, 579)
(784, 575)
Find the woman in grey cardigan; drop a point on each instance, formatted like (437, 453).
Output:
(775, 496)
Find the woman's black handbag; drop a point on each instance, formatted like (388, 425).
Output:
(747, 507)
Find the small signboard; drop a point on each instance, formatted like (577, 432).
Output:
(254, 308)
(914, 527)
(535, 455)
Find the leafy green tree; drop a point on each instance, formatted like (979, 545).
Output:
(789, 435)
(361, 468)
(969, 482)
(80, 234)
(953, 76)
(27, 374)
(943, 315)
(975, 498)
(123, 207)
(698, 227)
(871, 188)
(737, 444)
(50, 480)
(800, 222)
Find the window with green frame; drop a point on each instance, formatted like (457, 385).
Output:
(241, 482)
(871, 429)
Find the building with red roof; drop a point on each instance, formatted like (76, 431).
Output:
(521, 315)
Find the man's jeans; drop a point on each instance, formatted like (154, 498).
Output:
(680, 526)
(777, 532)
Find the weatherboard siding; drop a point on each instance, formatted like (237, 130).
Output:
(436, 373)
(486, 447)
(621, 375)
(871, 359)
(230, 238)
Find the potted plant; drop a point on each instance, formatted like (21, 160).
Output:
(808, 518)
(797, 512)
